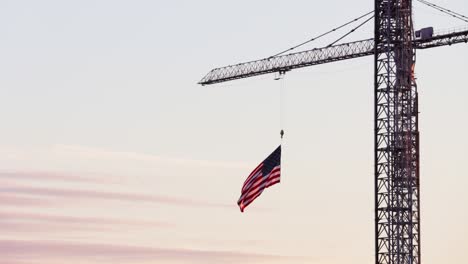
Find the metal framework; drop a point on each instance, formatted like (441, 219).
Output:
(396, 132)
(317, 56)
(397, 211)
(443, 40)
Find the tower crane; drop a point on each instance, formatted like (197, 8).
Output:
(396, 130)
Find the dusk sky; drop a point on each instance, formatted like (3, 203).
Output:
(111, 153)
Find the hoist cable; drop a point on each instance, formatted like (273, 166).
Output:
(351, 31)
(321, 35)
(282, 107)
(445, 10)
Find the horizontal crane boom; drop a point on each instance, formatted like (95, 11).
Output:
(317, 56)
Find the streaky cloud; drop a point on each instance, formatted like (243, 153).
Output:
(103, 253)
(98, 153)
(93, 194)
(14, 200)
(12, 217)
(49, 176)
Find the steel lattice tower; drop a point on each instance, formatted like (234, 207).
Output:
(397, 211)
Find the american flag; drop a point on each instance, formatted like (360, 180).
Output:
(265, 175)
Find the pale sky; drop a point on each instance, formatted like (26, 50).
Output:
(111, 153)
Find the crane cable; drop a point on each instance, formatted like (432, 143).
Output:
(321, 35)
(445, 10)
(351, 31)
(282, 107)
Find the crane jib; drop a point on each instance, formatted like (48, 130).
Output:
(317, 56)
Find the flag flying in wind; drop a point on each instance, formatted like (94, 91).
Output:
(265, 175)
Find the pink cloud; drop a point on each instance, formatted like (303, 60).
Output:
(20, 200)
(51, 176)
(19, 228)
(104, 154)
(17, 262)
(91, 194)
(104, 253)
(40, 221)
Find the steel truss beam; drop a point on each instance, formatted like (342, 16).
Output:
(317, 56)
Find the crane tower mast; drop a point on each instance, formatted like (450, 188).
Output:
(397, 211)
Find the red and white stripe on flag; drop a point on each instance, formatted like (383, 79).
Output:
(263, 176)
